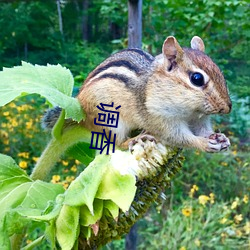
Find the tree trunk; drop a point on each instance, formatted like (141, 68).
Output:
(85, 20)
(59, 16)
(135, 23)
(131, 238)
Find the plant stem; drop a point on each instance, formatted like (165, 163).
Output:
(56, 147)
(16, 240)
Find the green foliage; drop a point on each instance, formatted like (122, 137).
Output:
(52, 82)
(19, 198)
(200, 223)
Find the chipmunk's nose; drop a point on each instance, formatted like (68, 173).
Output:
(226, 109)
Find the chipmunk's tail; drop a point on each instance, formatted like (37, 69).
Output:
(50, 117)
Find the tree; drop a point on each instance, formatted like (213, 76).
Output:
(134, 23)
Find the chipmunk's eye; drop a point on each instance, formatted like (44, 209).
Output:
(197, 79)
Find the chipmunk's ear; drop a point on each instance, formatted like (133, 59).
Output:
(171, 49)
(197, 43)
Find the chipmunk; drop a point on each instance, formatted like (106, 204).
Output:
(170, 96)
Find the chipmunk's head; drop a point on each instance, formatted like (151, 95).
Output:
(197, 74)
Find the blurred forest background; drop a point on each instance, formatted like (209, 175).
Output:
(207, 206)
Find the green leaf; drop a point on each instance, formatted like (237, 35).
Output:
(6, 186)
(82, 153)
(39, 194)
(14, 198)
(67, 226)
(47, 216)
(86, 231)
(50, 234)
(13, 223)
(112, 208)
(20, 197)
(118, 188)
(4, 240)
(86, 218)
(26, 202)
(53, 82)
(83, 189)
(9, 168)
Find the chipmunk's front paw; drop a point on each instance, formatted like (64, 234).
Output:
(141, 139)
(218, 142)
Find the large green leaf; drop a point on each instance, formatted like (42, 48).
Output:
(9, 168)
(118, 188)
(82, 152)
(86, 218)
(83, 189)
(67, 226)
(53, 82)
(6, 186)
(20, 197)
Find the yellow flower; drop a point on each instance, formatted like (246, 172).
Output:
(235, 203)
(211, 195)
(23, 164)
(234, 152)
(224, 164)
(197, 242)
(247, 227)
(245, 199)
(203, 199)
(65, 163)
(6, 141)
(12, 105)
(193, 190)
(24, 154)
(183, 248)
(223, 235)
(55, 178)
(29, 124)
(70, 178)
(187, 211)
(238, 233)
(197, 152)
(6, 113)
(4, 134)
(65, 185)
(238, 218)
(77, 162)
(35, 159)
(238, 159)
(28, 241)
(73, 168)
(14, 123)
(223, 220)
(6, 149)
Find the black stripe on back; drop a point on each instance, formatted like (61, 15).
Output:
(142, 53)
(118, 63)
(118, 77)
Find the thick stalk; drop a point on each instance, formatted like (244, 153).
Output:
(56, 147)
